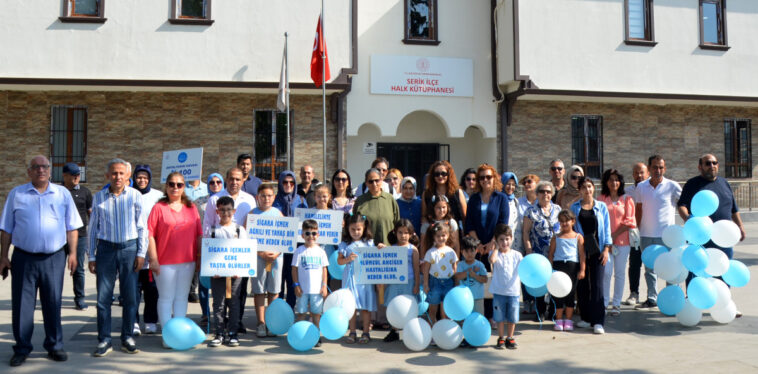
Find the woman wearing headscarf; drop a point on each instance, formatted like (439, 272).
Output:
(287, 200)
(409, 204)
(569, 194)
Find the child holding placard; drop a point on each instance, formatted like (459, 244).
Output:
(268, 282)
(567, 255)
(323, 201)
(357, 234)
(309, 265)
(505, 286)
(439, 267)
(226, 291)
(402, 236)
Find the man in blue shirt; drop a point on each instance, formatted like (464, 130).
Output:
(250, 182)
(117, 246)
(39, 218)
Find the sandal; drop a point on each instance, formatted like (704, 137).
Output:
(351, 338)
(365, 338)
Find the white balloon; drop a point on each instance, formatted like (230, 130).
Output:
(401, 309)
(342, 298)
(724, 314)
(725, 233)
(673, 236)
(667, 266)
(417, 334)
(723, 295)
(689, 315)
(447, 334)
(718, 263)
(678, 251)
(681, 277)
(559, 284)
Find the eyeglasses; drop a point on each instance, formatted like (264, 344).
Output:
(39, 167)
(215, 182)
(470, 179)
(342, 180)
(175, 184)
(291, 183)
(487, 177)
(528, 181)
(374, 181)
(556, 168)
(710, 163)
(544, 191)
(440, 174)
(310, 233)
(575, 177)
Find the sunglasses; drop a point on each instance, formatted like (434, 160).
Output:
(556, 168)
(291, 183)
(374, 181)
(544, 191)
(485, 177)
(710, 163)
(394, 178)
(175, 184)
(343, 180)
(215, 182)
(440, 174)
(310, 233)
(575, 177)
(470, 179)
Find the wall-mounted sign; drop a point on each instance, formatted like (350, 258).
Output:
(422, 76)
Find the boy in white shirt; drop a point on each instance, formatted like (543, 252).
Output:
(505, 286)
(309, 269)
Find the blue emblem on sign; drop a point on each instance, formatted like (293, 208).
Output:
(182, 156)
(402, 278)
(289, 249)
(334, 240)
(251, 272)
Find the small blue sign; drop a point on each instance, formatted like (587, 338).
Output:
(251, 272)
(182, 156)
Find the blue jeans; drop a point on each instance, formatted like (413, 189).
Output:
(650, 278)
(112, 259)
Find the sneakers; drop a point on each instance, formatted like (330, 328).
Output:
(558, 325)
(217, 340)
(615, 311)
(103, 348)
(500, 343)
(568, 325)
(392, 336)
(129, 346)
(151, 328)
(261, 330)
(80, 305)
(510, 343)
(647, 305)
(583, 324)
(136, 331)
(632, 300)
(233, 341)
(599, 330)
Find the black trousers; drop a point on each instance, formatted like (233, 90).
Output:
(589, 292)
(635, 264)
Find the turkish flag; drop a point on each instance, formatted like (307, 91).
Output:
(319, 50)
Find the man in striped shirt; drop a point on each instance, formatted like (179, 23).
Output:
(117, 245)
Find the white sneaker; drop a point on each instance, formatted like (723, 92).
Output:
(615, 311)
(632, 300)
(261, 330)
(151, 328)
(599, 330)
(136, 331)
(583, 324)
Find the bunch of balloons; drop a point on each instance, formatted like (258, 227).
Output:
(687, 255)
(539, 278)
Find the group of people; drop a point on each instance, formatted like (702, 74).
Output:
(473, 231)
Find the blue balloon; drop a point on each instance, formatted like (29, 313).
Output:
(737, 275)
(534, 270)
(279, 317)
(697, 230)
(701, 293)
(181, 333)
(205, 282)
(423, 305)
(671, 300)
(694, 258)
(302, 336)
(335, 269)
(651, 253)
(476, 329)
(458, 303)
(334, 323)
(704, 203)
(536, 292)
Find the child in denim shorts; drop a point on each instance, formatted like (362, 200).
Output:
(505, 286)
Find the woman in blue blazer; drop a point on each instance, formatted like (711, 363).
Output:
(487, 208)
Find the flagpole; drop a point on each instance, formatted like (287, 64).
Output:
(323, 85)
(287, 99)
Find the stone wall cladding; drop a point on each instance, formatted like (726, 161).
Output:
(139, 126)
(541, 131)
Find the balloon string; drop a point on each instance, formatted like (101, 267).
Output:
(537, 310)
(555, 307)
